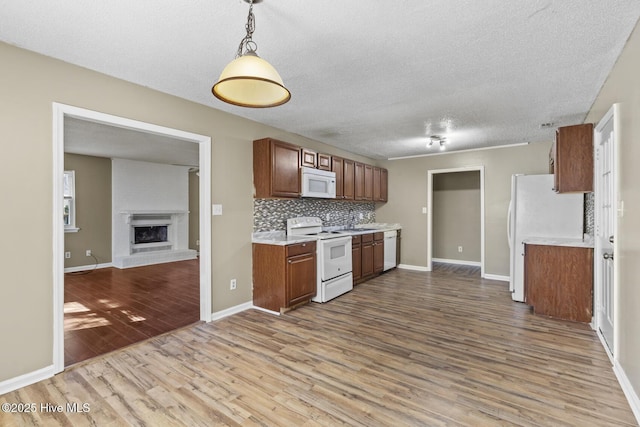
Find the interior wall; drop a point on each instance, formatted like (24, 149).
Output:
(408, 195)
(93, 210)
(456, 216)
(31, 83)
(623, 86)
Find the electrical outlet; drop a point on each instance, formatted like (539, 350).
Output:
(88, 253)
(67, 255)
(328, 216)
(197, 242)
(424, 209)
(460, 249)
(232, 284)
(361, 215)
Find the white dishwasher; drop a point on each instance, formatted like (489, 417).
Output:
(390, 249)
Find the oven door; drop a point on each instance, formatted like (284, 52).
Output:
(335, 257)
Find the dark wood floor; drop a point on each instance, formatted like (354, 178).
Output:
(110, 308)
(404, 349)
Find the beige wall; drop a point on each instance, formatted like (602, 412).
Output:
(93, 210)
(31, 83)
(623, 86)
(408, 194)
(456, 215)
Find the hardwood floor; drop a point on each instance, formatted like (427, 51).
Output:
(111, 308)
(404, 349)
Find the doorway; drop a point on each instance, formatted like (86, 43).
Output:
(605, 215)
(63, 112)
(430, 212)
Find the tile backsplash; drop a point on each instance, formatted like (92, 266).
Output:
(272, 214)
(589, 204)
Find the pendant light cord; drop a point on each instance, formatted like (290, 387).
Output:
(247, 42)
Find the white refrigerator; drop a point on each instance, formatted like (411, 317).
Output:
(536, 211)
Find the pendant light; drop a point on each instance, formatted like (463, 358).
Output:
(248, 80)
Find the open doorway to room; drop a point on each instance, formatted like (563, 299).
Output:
(131, 268)
(455, 214)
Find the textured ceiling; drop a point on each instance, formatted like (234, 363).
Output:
(373, 78)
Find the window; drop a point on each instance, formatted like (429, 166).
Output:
(69, 204)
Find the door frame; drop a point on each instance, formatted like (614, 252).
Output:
(430, 174)
(60, 112)
(614, 115)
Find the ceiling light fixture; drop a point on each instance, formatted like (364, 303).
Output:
(248, 80)
(439, 139)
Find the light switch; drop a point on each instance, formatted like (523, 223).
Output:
(216, 210)
(424, 210)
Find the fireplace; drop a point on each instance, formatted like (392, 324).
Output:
(150, 234)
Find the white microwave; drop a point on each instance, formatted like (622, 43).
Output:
(318, 183)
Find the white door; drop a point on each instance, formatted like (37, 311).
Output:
(605, 216)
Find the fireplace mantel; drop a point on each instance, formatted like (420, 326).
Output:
(129, 214)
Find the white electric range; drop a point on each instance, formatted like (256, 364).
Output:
(333, 253)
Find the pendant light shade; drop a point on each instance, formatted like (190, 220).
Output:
(248, 80)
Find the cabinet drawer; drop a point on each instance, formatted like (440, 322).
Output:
(366, 238)
(356, 240)
(378, 236)
(301, 248)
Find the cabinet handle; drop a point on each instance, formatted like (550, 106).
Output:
(607, 256)
(304, 244)
(611, 239)
(289, 261)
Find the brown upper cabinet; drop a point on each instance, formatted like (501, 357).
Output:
(348, 179)
(276, 168)
(276, 172)
(324, 162)
(368, 182)
(380, 184)
(359, 193)
(308, 158)
(571, 159)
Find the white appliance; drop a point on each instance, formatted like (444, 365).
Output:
(537, 211)
(318, 183)
(333, 253)
(390, 249)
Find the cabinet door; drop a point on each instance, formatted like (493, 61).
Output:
(337, 166)
(308, 158)
(285, 170)
(348, 179)
(359, 181)
(367, 255)
(301, 278)
(573, 160)
(324, 162)
(378, 256)
(376, 185)
(356, 261)
(384, 185)
(368, 182)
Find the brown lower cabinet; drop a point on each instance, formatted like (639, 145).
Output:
(558, 281)
(283, 276)
(356, 258)
(368, 256)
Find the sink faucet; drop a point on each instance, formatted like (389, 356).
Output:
(352, 220)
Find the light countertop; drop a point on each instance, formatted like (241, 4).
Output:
(546, 241)
(280, 237)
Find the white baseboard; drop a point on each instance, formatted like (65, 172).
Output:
(496, 277)
(87, 267)
(413, 267)
(26, 379)
(231, 310)
(627, 388)
(457, 261)
(266, 311)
